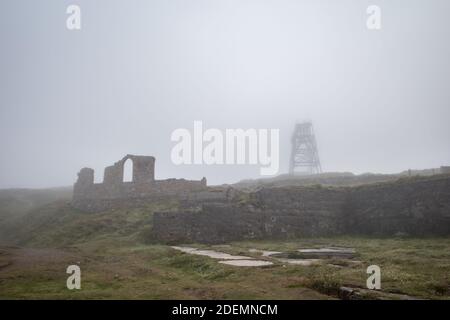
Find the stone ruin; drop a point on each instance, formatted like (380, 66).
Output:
(418, 206)
(90, 196)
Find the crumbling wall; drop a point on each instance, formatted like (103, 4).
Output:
(215, 223)
(409, 206)
(84, 185)
(143, 170)
(113, 192)
(415, 206)
(445, 170)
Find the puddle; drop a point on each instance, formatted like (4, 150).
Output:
(211, 253)
(264, 253)
(247, 263)
(238, 261)
(286, 257)
(302, 257)
(184, 249)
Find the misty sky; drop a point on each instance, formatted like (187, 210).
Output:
(137, 70)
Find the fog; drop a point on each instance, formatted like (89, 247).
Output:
(137, 70)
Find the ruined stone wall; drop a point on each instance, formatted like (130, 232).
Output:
(215, 223)
(416, 206)
(114, 192)
(131, 195)
(445, 169)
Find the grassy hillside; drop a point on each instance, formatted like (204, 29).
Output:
(17, 202)
(45, 218)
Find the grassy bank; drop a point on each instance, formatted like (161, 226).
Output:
(414, 267)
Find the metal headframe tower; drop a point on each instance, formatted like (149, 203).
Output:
(304, 156)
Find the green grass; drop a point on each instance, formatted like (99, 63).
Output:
(59, 224)
(119, 261)
(416, 267)
(158, 272)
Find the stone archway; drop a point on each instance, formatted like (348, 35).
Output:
(128, 170)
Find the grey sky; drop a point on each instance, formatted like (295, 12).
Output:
(379, 100)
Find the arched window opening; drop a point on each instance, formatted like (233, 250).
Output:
(128, 171)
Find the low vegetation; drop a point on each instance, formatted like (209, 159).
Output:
(119, 261)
